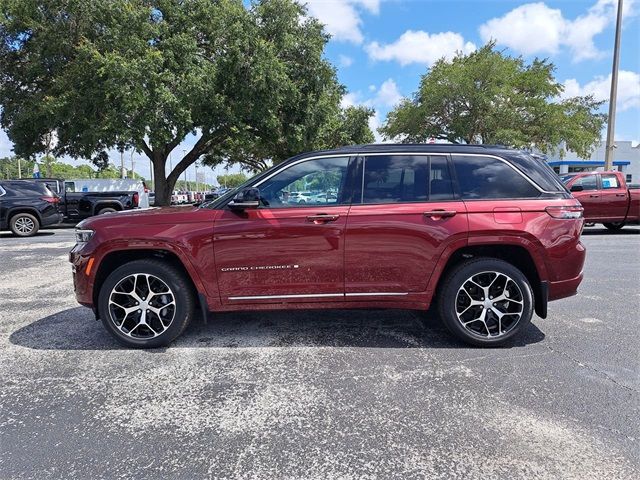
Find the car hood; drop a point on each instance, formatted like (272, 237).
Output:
(149, 216)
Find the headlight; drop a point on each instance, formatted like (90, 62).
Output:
(83, 236)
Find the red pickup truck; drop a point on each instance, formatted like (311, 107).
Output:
(606, 198)
(491, 234)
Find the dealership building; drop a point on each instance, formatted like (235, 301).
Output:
(626, 158)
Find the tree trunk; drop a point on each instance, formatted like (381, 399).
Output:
(161, 185)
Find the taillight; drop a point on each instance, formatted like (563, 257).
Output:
(565, 212)
(136, 199)
(51, 199)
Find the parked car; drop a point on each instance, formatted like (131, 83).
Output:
(25, 207)
(606, 198)
(77, 205)
(300, 197)
(488, 234)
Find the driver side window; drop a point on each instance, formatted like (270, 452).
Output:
(313, 182)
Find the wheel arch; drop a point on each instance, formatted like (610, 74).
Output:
(30, 210)
(516, 254)
(107, 204)
(116, 258)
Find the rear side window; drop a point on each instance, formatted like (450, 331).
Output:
(26, 189)
(481, 177)
(588, 182)
(403, 179)
(609, 181)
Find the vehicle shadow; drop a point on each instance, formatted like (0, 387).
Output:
(76, 329)
(592, 231)
(11, 236)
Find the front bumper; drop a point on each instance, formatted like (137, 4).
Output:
(82, 277)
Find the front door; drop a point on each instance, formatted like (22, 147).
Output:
(403, 215)
(589, 196)
(291, 248)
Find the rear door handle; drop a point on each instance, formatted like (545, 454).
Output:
(322, 218)
(436, 214)
(620, 195)
(594, 196)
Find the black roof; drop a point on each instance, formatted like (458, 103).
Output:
(416, 147)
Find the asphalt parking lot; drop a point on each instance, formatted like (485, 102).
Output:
(318, 394)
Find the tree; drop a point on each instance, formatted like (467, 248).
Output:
(489, 97)
(231, 180)
(244, 84)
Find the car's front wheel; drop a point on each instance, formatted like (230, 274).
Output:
(146, 303)
(485, 301)
(24, 225)
(614, 226)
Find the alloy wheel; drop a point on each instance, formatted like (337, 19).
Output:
(24, 225)
(142, 306)
(489, 304)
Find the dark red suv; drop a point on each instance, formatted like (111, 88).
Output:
(490, 235)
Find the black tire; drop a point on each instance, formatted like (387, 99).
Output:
(24, 225)
(614, 226)
(448, 302)
(104, 210)
(183, 296)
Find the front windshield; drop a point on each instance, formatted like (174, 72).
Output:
(565, 178)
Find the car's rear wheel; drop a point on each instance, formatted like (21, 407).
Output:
(24, 225)
(146, 303)
(485, 301)
(102, 211)
(614, 226)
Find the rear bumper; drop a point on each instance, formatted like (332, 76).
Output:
(564, 288)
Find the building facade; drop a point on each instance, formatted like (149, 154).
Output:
(626, 158)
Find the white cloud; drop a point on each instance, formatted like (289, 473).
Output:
(382, 99)
(345, 61)
(535, 28)
(599, 87)
(6, 147)
(342, 17)
(420, 47)
(388, 94)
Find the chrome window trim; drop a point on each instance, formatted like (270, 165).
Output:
(2, 191)
(364, 154)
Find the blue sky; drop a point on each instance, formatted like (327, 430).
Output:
(381, 47)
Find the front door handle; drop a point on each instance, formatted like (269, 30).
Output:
(620, 195)
(437, 214)
(594, 196)
(322, 218)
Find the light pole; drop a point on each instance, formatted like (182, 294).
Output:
(133, 175)
(196, 167)
(611, 124)
(186, 184)
(19, 169)
(122, 164)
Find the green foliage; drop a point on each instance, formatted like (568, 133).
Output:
(231, 180)
(489, 97)
(250, 83)
(51, 168)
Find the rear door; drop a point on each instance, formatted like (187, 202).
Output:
(403, 214)
(286, 251)
(613, 197)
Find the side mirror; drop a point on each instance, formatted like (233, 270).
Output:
(246, 198)
(577, 188)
